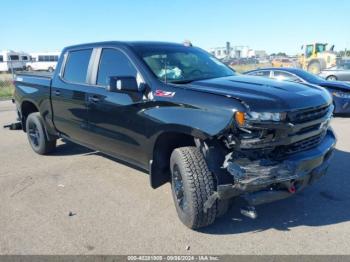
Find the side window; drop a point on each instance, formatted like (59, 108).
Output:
(14, 57)
(1, 58)
(309, 50)
(284, 76)
(114, 63)
(264, 73)
(77, 65)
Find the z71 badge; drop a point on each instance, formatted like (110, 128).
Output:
(164, 93)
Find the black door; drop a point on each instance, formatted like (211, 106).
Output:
(69, 97)
(115, 126)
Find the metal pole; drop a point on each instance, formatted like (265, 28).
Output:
(11, 67)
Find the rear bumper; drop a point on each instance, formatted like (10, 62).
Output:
(260, 182)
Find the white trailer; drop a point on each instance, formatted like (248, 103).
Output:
(11, 60)
(44, 61)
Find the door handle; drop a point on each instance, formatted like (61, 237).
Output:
(57, 92)
(94, 99)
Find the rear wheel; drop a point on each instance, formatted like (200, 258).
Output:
(29, 68)
(50, 69)
(36, 135)
(192, 184)
(332, 78)
(314, 67)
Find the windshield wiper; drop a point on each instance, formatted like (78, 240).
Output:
(181, 81)
(193, 80)
(186, 81)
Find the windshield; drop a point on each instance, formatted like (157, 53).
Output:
(320, 48)
(177, 64)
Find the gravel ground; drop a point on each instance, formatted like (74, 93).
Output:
(114, 210)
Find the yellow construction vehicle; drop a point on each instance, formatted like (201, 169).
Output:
(316, 57)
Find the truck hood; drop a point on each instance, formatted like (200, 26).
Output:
(262, 94)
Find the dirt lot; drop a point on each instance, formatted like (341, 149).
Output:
(114, 210)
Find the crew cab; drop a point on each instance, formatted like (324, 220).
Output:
(178, 113)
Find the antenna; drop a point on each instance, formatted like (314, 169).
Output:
(165, 69)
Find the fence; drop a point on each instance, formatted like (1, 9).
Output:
(6, 85)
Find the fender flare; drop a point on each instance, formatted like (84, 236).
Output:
(48, 136)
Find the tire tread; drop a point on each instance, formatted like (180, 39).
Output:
(201, 183)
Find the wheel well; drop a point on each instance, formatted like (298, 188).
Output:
(26, 109)
(164, 146)
(331, 76)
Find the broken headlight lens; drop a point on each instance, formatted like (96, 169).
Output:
(265, 116)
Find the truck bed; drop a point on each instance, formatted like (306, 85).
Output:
(35, 74)
(26, 81)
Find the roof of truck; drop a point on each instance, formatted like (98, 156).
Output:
(126, 43)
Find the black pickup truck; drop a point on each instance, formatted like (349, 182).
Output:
(176, 112)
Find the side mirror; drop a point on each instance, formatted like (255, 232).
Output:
(302, 47)
(122, 83)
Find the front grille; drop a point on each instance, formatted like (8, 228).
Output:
(308, 143)
(307, 115)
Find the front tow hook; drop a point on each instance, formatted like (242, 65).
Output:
(249, 211)
(292, 189)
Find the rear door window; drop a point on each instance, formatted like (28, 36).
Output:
(347, 66)
(77, 65)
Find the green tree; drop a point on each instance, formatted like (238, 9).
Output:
(281, 54)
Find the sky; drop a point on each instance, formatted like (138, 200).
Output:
(271, 25)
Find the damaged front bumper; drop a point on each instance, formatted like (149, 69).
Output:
(264, 181)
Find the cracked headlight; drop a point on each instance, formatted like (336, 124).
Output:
(341, 94)
(265, 116)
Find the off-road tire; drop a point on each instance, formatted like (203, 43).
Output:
(198, 186)
(36, 135)
(316, 65)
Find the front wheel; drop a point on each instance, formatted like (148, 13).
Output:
(192, 184)
(314, 67)
(36, 135)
